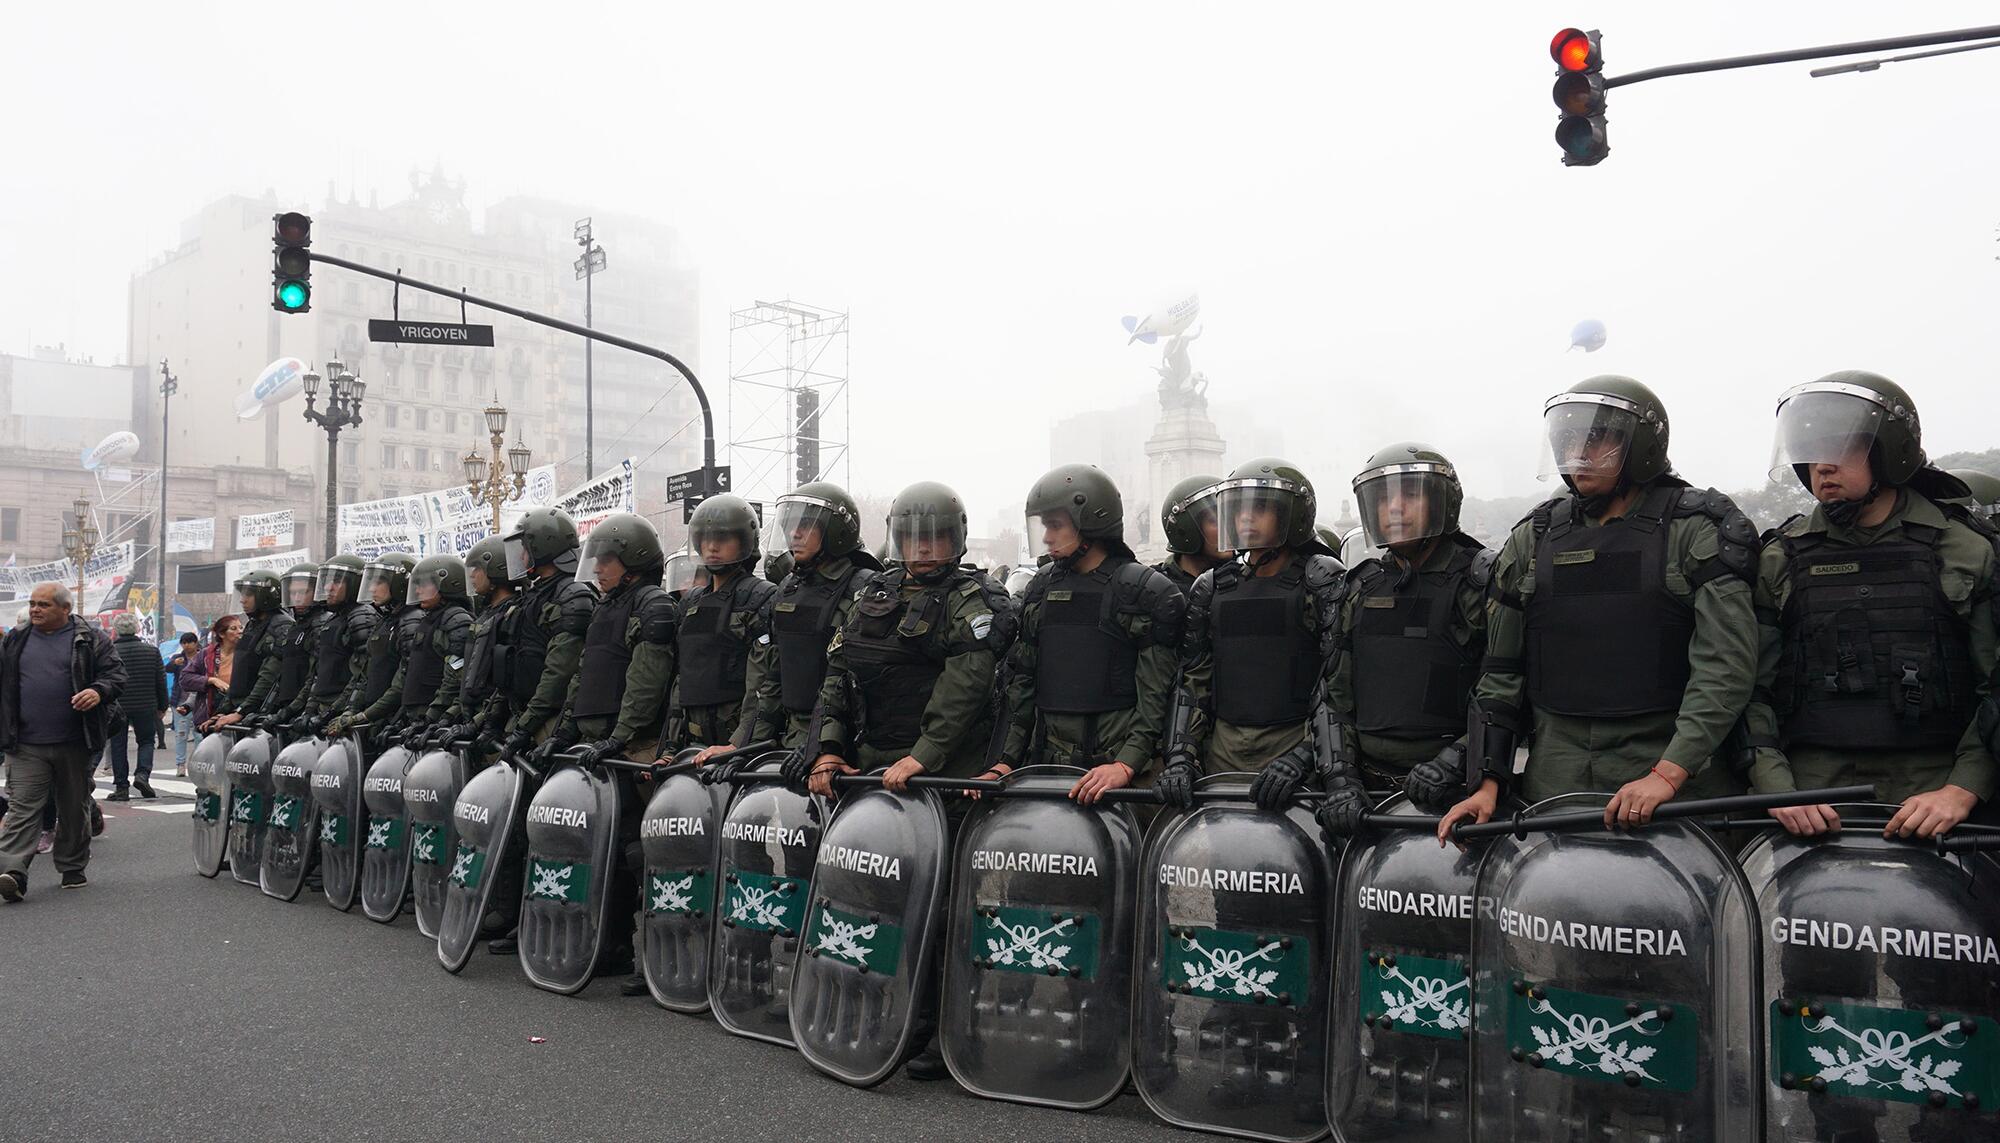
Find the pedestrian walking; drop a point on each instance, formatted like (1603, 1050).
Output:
(59, 679)
(141, 705)
(183, 722)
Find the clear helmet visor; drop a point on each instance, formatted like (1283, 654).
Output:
(1824, 428)
(598, 560)
(1054, 531)
(720, 548)
(1399, 507)
(378, 585)
(926, 537)
(1585, 437)
(334, 582)
(423, 590)
(801, 526)
(302, 590)
(517, 557)
(1254, 517)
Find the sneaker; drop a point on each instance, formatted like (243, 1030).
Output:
(74, 879)
(144, 787)
(121, 794)
(47, 842)
(13, 887)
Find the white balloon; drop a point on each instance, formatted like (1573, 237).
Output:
(280, 380)
(1587, 336)
(112, 449)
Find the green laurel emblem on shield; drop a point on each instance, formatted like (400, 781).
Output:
(1044, 941)
(284, 812)
(567, 881)
(1904, 1055)
(467, 864)
(683, 892)
(868, 943)
(1244, 968)
(427, 843)
(1642, 1043)
(1425, 996)
(208, 806)
(763, 902)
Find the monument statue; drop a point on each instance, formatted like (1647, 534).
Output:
(1184, 441)
(1180, 385)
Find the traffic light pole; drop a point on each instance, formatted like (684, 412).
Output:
(1795, 55)
(700, 395)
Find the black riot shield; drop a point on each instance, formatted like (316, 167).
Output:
(481, 899)
(1881, 992)
(343, 819)
(385, 851)
(1038, 953)
(1235, 956)
(1617, 980)
(211, 797)
(249, 771)
(862, 975)
(291, 825)
(430, 790)
(1401, 1029)
(768, 841)
(572, 829)
(677, 880)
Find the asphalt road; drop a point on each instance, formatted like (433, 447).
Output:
(155, 1004)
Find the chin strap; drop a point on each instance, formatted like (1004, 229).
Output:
(1844, 513)
(1068, 562)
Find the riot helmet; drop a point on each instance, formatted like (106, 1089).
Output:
(926, 525)
(436, 580)
(1606, 425)
(1407, 492)
(301, 583)
(1354, 547)
(544, 536)
(1846, 418)
(1018, 581)
(822, 511)
(625, 543)
(679, 574)
(1985, 491)
(1078, 498)
(1188, 514)
(717, 521)
(258, 591)
(486, 564)
(340, 576)
(1264, 504)
(385, 580)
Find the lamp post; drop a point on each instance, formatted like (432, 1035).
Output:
(80, 543)
(503, 477)
(587, 268)
(343, 408)
(169, 385)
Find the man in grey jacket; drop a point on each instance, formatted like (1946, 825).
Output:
(141, 706)
(59, 678)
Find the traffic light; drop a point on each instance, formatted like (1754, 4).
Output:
(1579, 93)
(291, 266)
(806, 439)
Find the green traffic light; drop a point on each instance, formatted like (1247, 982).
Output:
(292, 295)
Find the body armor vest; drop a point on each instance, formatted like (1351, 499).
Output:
(1176, 575)
(423, 671)
(1606, 638)
(713, 661)
(1875, 657)
(1265, 661)
(1411, 678)
(528, 640)
(894, 650)
(1086, 663)
(384, 644)
(252, 649)
(296, 658)
(485, 656)
(801, 627)
(607, 654)
(330, 653)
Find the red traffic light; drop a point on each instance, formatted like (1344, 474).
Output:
(1574, 50)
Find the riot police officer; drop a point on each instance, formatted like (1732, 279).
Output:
(1875, 616)
(720, 621)
(300, 587)
(435, 622)
(822, 531)
(1092, 671)
(385, 585)
(549, 622)
(257, 673)
(1412, 627)
(618, 697)
(480, 705)
(340, 654)
(1187, 519)
(1620, 616)
(1260, 650)
(1982, 493)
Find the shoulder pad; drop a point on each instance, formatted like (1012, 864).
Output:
(457, 619)
(1976, 521)
(573, 610)
(283, 621)
(1480, 571)
(1363, 576)
(1325, 573)
(1736, 537)
(997, 633)
(758, 592)
(570, 590)
(1038, 586)
(659, 616)
(1160, 599)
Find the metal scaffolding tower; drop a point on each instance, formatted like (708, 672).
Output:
(788, 410)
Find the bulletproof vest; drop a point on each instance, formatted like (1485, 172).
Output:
(1875, 658)
(252, 649)
(296, 653)
(485, 655)
(607, 653)
(713, 660)
(1086, 663)
(801, 627)
(424, 670)
(384, 645)
(894, 650)
(1411, 677)
(330, 653)
(529, 639)
(1176, 575)
(1606, 638)
(1265, 661)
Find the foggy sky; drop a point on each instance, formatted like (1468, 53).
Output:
(1373, 210)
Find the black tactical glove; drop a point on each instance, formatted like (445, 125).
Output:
(453, 732)
(517, 744)
(302, 726)
(1340, 814)
(1438, 784)
(1274, 786)
(591, 753)
(797, 767)
(485, 743)
(416, 736)
(1176, 782)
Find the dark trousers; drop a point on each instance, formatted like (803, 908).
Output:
(37, 775)
(147, 732)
